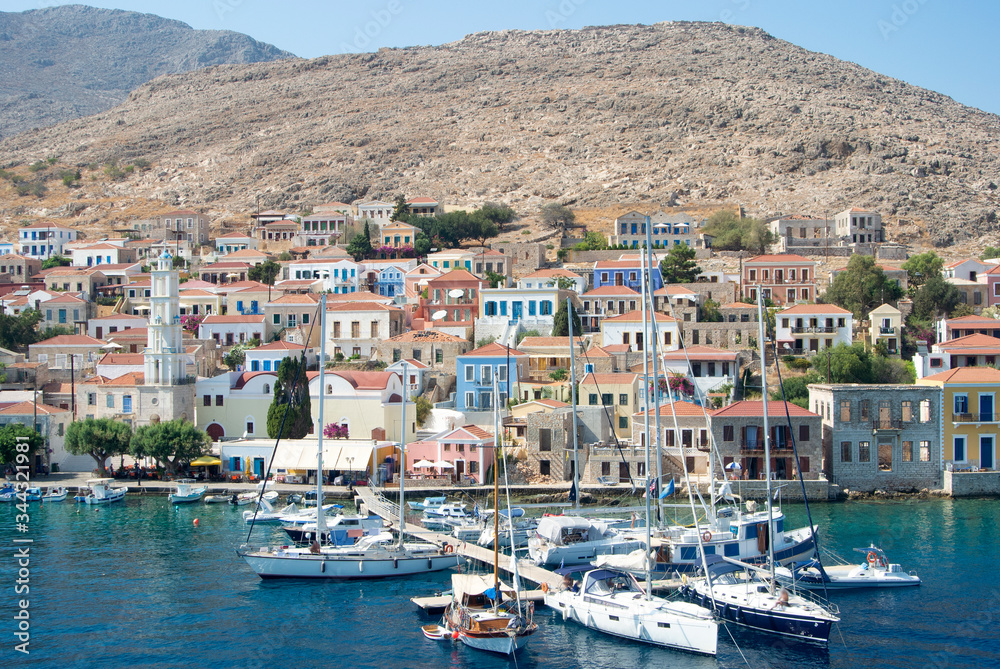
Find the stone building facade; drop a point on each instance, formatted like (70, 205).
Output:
(884, 437)
(437, 350)
(738, 431)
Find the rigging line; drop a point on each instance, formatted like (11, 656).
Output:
(677, 433)
(607, 414)
(795, 450)
(284, 417)
(733, 639)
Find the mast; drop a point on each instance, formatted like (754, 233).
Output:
(572, 382)
(402, 459)
(767, 435)
(656, 374)
(320, 514)
(645, 373)
(497, 445)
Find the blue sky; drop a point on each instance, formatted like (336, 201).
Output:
(948, 46)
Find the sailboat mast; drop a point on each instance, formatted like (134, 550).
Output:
(656, 374)
(645, 373)
(572, 383)
(402, 459)
(767, 434)
(320, 515)
(497, 446)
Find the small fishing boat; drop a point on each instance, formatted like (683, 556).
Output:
(32, 494)
(488, 615)
(56, 494)
(436, 518)
(101, 492)
(436, 632)
(218, 499)
(186, 492)
(428, 503)
(874, 572)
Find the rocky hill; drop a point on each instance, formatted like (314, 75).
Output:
(673, 114)
(66, 62)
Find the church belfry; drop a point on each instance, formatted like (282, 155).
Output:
(164, 354)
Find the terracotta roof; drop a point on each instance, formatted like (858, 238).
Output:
(681, 408)
(242, 379)
(306, 298)
(554, 404)
(29, 408)
(432, 336)
(701, 353)
(966, 375)
(71, 340)
(970, 319)
(756, 408)
(609, 379)
(284, 223)
(55, 387)
(617, 264)
(41, 225)
(597, 352)
(365, 380)
(547, 273)
(611, 291)
(972, 341)
(674, 289)
(455, 276)
(234, 235)
(181, 212)
(494, 349)
(358, 296)
(561, 342)
(232, 318)
(636, 317)
(195, 292)
(246, 253)
(118, 317)
(738, 305)
(782, 257)
(64, 297)
(362, 306)
(617, 348)
(226, 264)
(130, 379)
(422, 200)
(413, 363)
(813, 309)
(474, 431)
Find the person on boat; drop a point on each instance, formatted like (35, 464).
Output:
(570, 584)
(782, 600)
(314, 547)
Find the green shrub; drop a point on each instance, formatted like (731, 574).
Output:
(38, 166)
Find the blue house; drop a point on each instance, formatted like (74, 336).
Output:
(624, 273)
(390, 281)
(476, 369)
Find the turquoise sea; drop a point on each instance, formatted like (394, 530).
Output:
(139, 585)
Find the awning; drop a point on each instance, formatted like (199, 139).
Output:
(354, 457)
(206, 461)
(336, 456)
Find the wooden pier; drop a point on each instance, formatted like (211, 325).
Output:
(529, 571)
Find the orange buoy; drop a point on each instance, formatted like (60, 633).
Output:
(454, 635)
(196, 522)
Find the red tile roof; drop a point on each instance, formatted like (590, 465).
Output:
(813, 309)
(71, 340)
(636, 317)
(549, 273)
(701, 353)
(365, 380)
(431, 336)
(232, 318)
(780, 258)
(756, 408)
(494, 349)
(609, 379)
(971, 341)
(681, 408)
(29, 408)
(967, 375)
(611, 291)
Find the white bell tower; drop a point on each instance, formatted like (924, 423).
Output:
(164, 354)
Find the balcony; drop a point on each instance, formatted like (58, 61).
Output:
(886, 424)
(757, 447)
(815, 330)
(887, 331)
(974, 418)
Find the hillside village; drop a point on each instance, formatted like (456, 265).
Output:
(426, 312)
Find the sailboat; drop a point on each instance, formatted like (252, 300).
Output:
(374, 556)
(749, 595)
(612, 601)
(483, 612)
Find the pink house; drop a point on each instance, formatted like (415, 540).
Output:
(993, 283)
(468, 449)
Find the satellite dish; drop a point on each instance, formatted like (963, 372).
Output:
(438, 315)
(456, 292)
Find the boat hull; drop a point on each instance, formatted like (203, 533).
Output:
(318, 566)
(184, 499)
(117, 495)
(496, 642)
(767, 620)
(695, 635)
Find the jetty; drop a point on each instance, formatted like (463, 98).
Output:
(377, 503)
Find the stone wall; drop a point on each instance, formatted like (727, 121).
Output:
(527, 257)
(732, 450)
(818, 490)
(972, 484)
(731, 336)
(559, 426)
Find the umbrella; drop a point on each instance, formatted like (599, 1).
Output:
(443, 464)
(734, 465)
(423, 463)
(206, 461)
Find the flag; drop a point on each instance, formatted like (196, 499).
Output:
(669, 490)
(572, 492)
(652, 487)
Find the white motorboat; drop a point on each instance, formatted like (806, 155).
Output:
(101, 492)
(574, 540)
(612, 602)
(428, 503)
(523, 529)
(466, 529)
(375, 556)
(219, 499)
(307, 516)
(874, 572)
(446, 516)
(266, 514)
(186, 492)
(56, 494)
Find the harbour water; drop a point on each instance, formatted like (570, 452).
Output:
(139, 585)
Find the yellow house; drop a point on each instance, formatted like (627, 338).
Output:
(970, 421)
(886, 326)
(619, 393)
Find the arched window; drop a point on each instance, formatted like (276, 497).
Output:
(267, 388)
(329, 389)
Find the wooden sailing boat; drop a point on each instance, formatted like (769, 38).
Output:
(484, 613)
